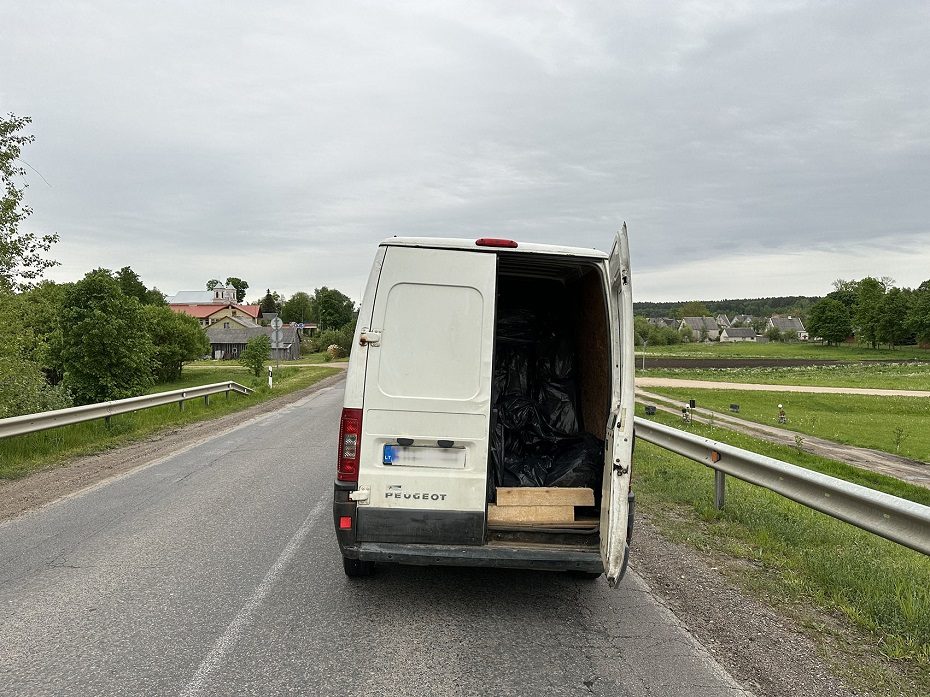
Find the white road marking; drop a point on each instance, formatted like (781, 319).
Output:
(227, 641)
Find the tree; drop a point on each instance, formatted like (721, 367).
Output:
(106, 352)
(693, 309)
(773, 334)
(893, 311)
(22, 254)
(130, 283)
(255, 354)
(869, 294)
(298, 308)
(830, 320)
(26, 391)
(271, 303)
(332, 309)
(240, 286)
(919, 317)
(213, 283)
(176, 338)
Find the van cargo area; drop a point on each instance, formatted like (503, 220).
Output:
(550, 396)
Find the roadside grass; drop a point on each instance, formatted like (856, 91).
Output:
(795, 557)
(800, 349)
(889, 376)
(21, 455)
(899, 425)
(306, 359)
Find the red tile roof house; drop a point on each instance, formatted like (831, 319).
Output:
(209, 307)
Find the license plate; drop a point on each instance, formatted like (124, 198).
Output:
(424, 456)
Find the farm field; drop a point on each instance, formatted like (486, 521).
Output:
(798, 350)
(903, 376)
(899, 425)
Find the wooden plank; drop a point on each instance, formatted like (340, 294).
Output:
(544, 496)
(530, 515)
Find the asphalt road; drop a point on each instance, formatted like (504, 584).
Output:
(215, 572)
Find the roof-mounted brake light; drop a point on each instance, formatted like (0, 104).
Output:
(495, 242)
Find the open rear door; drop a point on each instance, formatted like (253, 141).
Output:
(424, 441)
(618, 456)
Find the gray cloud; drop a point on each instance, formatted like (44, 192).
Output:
(280, 142)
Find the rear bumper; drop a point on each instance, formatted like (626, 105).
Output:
(500, 556)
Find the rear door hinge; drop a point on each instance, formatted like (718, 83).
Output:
(369, 337)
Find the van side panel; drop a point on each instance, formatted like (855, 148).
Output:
(427, 394)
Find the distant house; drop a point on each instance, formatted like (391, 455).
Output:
(788, 325)
(742, 321)
(228, 340)
(735, 334)
(212, 312)
(701, 328)
(722, 321)
(663, 322)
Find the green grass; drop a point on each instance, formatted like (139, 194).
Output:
(751, 349)
(889, 376)
(306, 359)
(798, 557)
(866, 421)
(21, 455)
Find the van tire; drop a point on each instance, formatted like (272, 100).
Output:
(356, 568)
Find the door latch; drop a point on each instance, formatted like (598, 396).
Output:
(369, 338)
(618, 467)
(361, 495)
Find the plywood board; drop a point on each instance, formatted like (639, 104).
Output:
(530, 515)
(544, 496)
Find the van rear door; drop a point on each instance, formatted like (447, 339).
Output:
(424, 442)
(618, 458)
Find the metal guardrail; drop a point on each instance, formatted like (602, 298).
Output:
(30, 423)
(891, 517)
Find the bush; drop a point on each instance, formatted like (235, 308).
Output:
(256, 353)
(24, 390)
(334, 337)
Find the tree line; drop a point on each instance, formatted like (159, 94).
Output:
(875, 311)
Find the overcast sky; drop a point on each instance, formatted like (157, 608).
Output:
(754, 148)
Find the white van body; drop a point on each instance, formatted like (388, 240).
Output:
(415, 474)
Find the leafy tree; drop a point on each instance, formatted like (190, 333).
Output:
(332, 309)
(130, 283)
(255, 354)
(339, 337)
(773, 334)
(869, 294)
(22, 254)
(153, 296)
(240, 286)
(919, 317)
(298, 308)
(213, 283)
(830, 320)
(893, 313)
(106, 352)
(176, 338)
(693, 309)
(758, 324)
(846, 292)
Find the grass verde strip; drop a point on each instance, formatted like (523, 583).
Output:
(799, 556)
(889, 376)
(899, 425)
(21, 455)
(751, 349)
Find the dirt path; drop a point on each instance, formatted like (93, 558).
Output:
(752, 387)
(902, 468)
(59, 480)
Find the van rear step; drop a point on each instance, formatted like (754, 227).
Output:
(540, 507)
(512, 556)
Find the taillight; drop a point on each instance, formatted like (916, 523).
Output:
(350, 430)
(495, 242)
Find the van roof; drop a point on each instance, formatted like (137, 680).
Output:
(470, 245)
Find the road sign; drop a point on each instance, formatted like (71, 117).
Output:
(277, 334)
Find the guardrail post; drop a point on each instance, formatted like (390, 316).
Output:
(106, 420)
(720, 489)
(206, 400)
(227, 395)
(181, 403)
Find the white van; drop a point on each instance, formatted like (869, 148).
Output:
(489, 395)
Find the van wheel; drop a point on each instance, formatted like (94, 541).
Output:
(356, 568)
